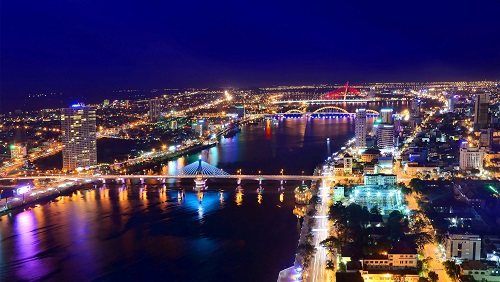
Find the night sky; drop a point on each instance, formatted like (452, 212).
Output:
(89, 48)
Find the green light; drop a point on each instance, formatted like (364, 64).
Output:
(493, 189)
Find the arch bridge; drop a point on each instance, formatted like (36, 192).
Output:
(325, 111)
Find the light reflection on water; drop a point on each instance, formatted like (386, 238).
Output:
(157, 232)
(94, 229)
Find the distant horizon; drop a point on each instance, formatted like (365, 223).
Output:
(10, 106)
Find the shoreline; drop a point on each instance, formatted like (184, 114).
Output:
(14, 203)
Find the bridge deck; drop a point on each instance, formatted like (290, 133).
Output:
(128, 176)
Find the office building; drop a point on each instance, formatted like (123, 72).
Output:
(380, 179)
(154, 110)
(347, 164)
(360, 128)
(240, 111)
(385, 136)
(451, 102)
(471, 157)
(78, 128)
(485, 137)
(463, 247)
(386, 115)
(481, 110)
(415, 109)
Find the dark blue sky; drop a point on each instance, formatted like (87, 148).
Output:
(91, 47)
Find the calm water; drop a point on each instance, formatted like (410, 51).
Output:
(148, 233)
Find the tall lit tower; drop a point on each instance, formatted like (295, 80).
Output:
(78, 126)
(385, 136)
(481, 110)
(386, 115)
(360, 128)
(154, 110)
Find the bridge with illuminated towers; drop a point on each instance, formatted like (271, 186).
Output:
(199, 171)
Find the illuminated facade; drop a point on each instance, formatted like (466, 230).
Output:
(463, 246)
(302, 195)
(380, 179)
(386, 115)
(78, 127)
(17, 151)
(386, 198)
(360, 128)
(385, 136)
(471, 157)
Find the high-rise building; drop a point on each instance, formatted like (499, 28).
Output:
(398, 124)
(451, 102)
(154, 110)
(240, 110)
(78, 128)
(360, 128)
(471, 157)
(481, 110)
(385, 136)
(415, 109)
(485, 137)
(386, 115)
(347, 164)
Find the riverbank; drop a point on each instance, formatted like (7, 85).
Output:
(60, 189)
(34, 197)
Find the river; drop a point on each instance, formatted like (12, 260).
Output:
(118, 232)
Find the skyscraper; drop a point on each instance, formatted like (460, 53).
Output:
(385, 136)
(154, 110)
(386, 115)
(78, 127)
(360, 128)
(481, 110)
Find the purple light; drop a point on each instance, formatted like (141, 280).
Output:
(23, 189)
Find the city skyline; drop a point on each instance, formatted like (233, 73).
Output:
(87, 50)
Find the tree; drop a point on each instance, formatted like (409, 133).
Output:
(331, 243)
(419, 225)
(417, 184)
(423, 279)
(375, 210)
(342, 267)
(330, 265)
(423, 239)
(433, 276)
(451, 269)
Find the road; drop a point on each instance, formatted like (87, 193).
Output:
(430, 250)
(318, 264)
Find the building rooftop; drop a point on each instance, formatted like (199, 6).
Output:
(473, 265)
(403, 247)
